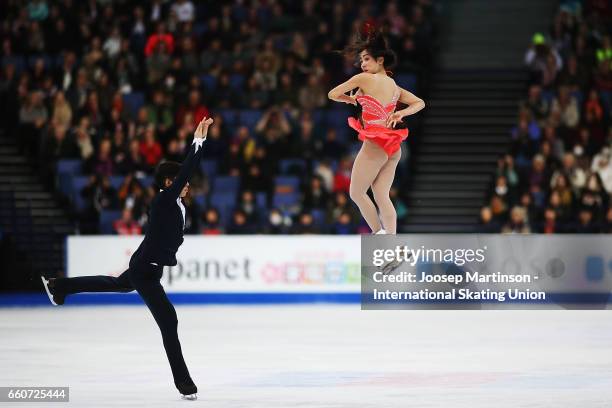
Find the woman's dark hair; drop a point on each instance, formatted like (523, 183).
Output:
(167, 169)
(377, 46)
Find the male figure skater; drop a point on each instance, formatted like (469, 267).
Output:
(163, 237)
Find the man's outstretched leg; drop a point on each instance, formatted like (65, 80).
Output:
(145, 278)
(58, 288)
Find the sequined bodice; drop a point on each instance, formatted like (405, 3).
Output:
(374, 112)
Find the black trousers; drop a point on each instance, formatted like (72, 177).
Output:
(145, 279)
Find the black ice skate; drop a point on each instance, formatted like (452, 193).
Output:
(55, 297)
(188, 391)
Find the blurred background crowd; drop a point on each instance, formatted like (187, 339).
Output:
(557, 175)
(98, 92)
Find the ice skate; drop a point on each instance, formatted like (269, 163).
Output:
(188, 391)
(55, 297)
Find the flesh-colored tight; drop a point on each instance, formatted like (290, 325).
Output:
(373, 168)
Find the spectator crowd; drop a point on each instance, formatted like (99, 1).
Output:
(119, 86)
(557, 175)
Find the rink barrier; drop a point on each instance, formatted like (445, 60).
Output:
(258, 298)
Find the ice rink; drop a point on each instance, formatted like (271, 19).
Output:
(314, 356)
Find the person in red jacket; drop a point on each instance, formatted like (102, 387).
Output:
(150, 149)
(160, 35)
(193, 106)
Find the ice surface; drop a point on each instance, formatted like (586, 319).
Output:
(313, 356)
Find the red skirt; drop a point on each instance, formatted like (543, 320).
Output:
(388, 139)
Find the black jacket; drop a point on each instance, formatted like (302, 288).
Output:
(165, 230)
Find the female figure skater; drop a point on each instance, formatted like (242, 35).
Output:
(163, 238)
(377, 160)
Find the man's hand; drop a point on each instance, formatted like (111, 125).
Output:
(202, 130)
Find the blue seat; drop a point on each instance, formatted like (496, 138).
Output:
(318, 117)
(133, 102)
(116, 182)
(46, 60)
(78, 183)
(200, 201)
(209, 81)
(230, 116)
(221, 200)
(337, 118)
(224, 203)
(287, 184)
(285, 200)
(107, 217)
(318, 217)
(333, 164)
(18, 61)
(209, 167)
(66, 169)
(236, 81)
(407, 81)
(294, 166)
(145, 181)
(250, 117)
(226, 184)
(261, 201)
(72, 166)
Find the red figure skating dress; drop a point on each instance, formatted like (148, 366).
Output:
(374, 128)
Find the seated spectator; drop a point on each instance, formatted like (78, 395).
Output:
(538, 176)
(150, 149)
(240, 224)
(225, 96)
(550, 225)
(594, 198)
(159, 37)
(324, 171)
(312, 95)
(277, 222)
(305, 225)
(316, 197)
(62, 112)
(585, 223)
(32, 118)
(194, 107)
(159, 113)
(211, 224)
(126, 224)
(332, 148)
(499, 209)
(602, 166)
(487, 224)
(274, 128)
(342, 178)
(567, 106)
(254, 97)
(102, 162)
(344, 224)
(575, 175)
(517, 223)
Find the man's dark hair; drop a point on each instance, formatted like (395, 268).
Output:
(164, 170)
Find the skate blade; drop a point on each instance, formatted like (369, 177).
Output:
(46, 285)
(390, 267)
(189, 397)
